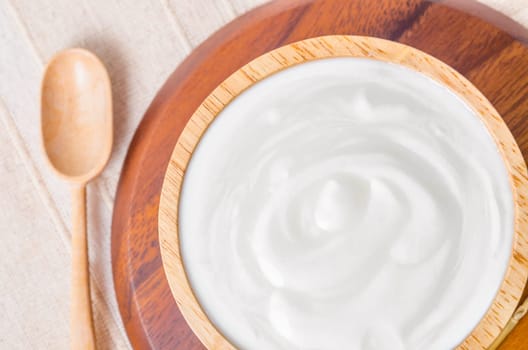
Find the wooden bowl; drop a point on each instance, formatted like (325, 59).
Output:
(495, 319)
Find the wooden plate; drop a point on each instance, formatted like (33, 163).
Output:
(494, 61)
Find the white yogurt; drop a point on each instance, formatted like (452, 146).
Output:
(346, 204)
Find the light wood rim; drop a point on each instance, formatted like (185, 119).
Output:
(513, 284)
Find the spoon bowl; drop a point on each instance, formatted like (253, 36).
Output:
(76, 115)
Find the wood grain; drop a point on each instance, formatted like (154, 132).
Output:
(342, 46)
(488, 57)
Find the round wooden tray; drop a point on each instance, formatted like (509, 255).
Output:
(496, 62)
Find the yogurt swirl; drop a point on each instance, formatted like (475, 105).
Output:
(346, 204)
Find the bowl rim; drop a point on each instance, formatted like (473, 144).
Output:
(514, 281)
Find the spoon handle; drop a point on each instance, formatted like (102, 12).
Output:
(81, 326)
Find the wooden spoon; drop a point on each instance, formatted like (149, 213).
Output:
(76, 122)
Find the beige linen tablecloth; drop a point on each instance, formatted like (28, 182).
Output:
(141, 42)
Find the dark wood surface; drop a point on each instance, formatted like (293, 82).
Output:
(493, 60)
